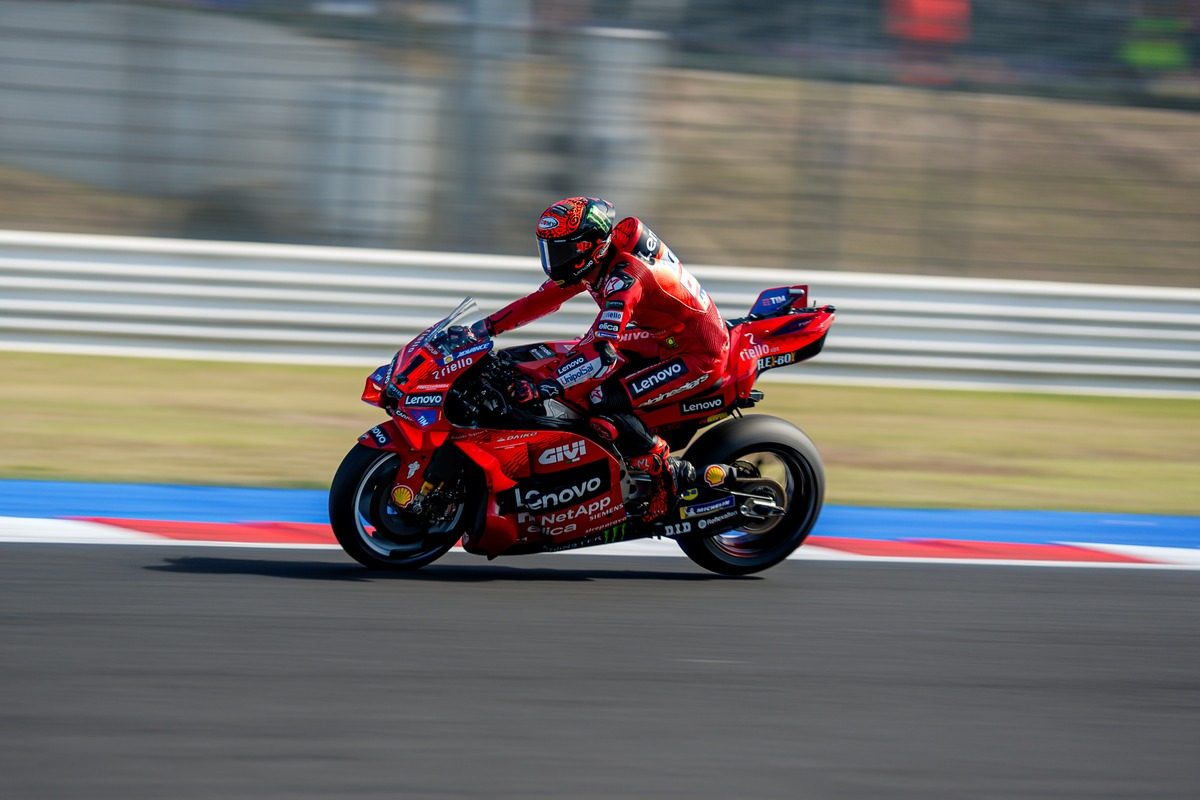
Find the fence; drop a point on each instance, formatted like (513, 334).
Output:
(322, 305)
(1019, 139)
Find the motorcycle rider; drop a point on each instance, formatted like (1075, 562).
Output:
(658, 334)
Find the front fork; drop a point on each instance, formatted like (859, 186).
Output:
(427, 464)
(446, 463)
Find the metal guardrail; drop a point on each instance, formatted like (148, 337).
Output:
(266, 302)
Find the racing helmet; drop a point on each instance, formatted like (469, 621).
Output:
(572, 235)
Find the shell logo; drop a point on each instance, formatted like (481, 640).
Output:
(714, 475)
(402, 496)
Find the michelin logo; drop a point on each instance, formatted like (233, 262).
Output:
(707, 508)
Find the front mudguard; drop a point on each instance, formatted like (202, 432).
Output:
(393, 435)
(488, 533)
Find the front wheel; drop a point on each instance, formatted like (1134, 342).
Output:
(368, 525)
(787, 465)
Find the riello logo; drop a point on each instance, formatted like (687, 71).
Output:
(564, 452)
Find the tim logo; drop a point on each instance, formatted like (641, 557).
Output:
(564, 452)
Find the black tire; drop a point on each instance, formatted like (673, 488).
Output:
(748, 551)
(369, 528)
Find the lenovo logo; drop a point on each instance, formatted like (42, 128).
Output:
(536, 500)
(647, 384)
(698, 406)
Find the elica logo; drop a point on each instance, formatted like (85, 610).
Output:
(643, 385)
(537, 501)
(423, 400)
(697, 406)
(565, 452)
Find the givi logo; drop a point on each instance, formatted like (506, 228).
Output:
(564, 452)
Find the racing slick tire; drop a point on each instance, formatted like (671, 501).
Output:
(778, 451)
(371, 529)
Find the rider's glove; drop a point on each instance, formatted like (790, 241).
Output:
(458, 336)
(549, 389)
(525, 391)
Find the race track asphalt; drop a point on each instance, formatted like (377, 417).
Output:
(175, 672)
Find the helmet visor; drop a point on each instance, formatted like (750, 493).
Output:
(560, 258)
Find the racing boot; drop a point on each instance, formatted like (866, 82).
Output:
(668, 477)
(682, 473)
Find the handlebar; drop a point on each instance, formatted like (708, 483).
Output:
(496, 375)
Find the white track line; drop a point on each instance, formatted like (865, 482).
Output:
(25, 530)
(69, 531)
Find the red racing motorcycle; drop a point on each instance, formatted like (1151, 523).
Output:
(459, 462)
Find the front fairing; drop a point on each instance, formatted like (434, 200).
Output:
(413, 387)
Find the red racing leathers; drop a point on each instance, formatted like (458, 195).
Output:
(651, 309)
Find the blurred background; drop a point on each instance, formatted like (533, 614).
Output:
(1047, 139)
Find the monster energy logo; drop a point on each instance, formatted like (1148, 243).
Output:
(607, 536)
(599, 219)
(614, 534)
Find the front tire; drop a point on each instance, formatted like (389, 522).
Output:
(370, 528)
(788, 457)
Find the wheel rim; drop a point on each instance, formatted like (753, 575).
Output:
(795, 489)
(381, 527)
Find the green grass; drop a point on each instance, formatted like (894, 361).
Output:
(799, 173)
(904, 447)
(105, 419)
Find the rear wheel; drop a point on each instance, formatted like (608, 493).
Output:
(786, 469)
(372, 530)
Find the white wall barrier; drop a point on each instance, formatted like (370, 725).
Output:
(263, 302)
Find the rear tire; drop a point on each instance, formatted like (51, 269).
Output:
(370, 528)
(799, 471)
